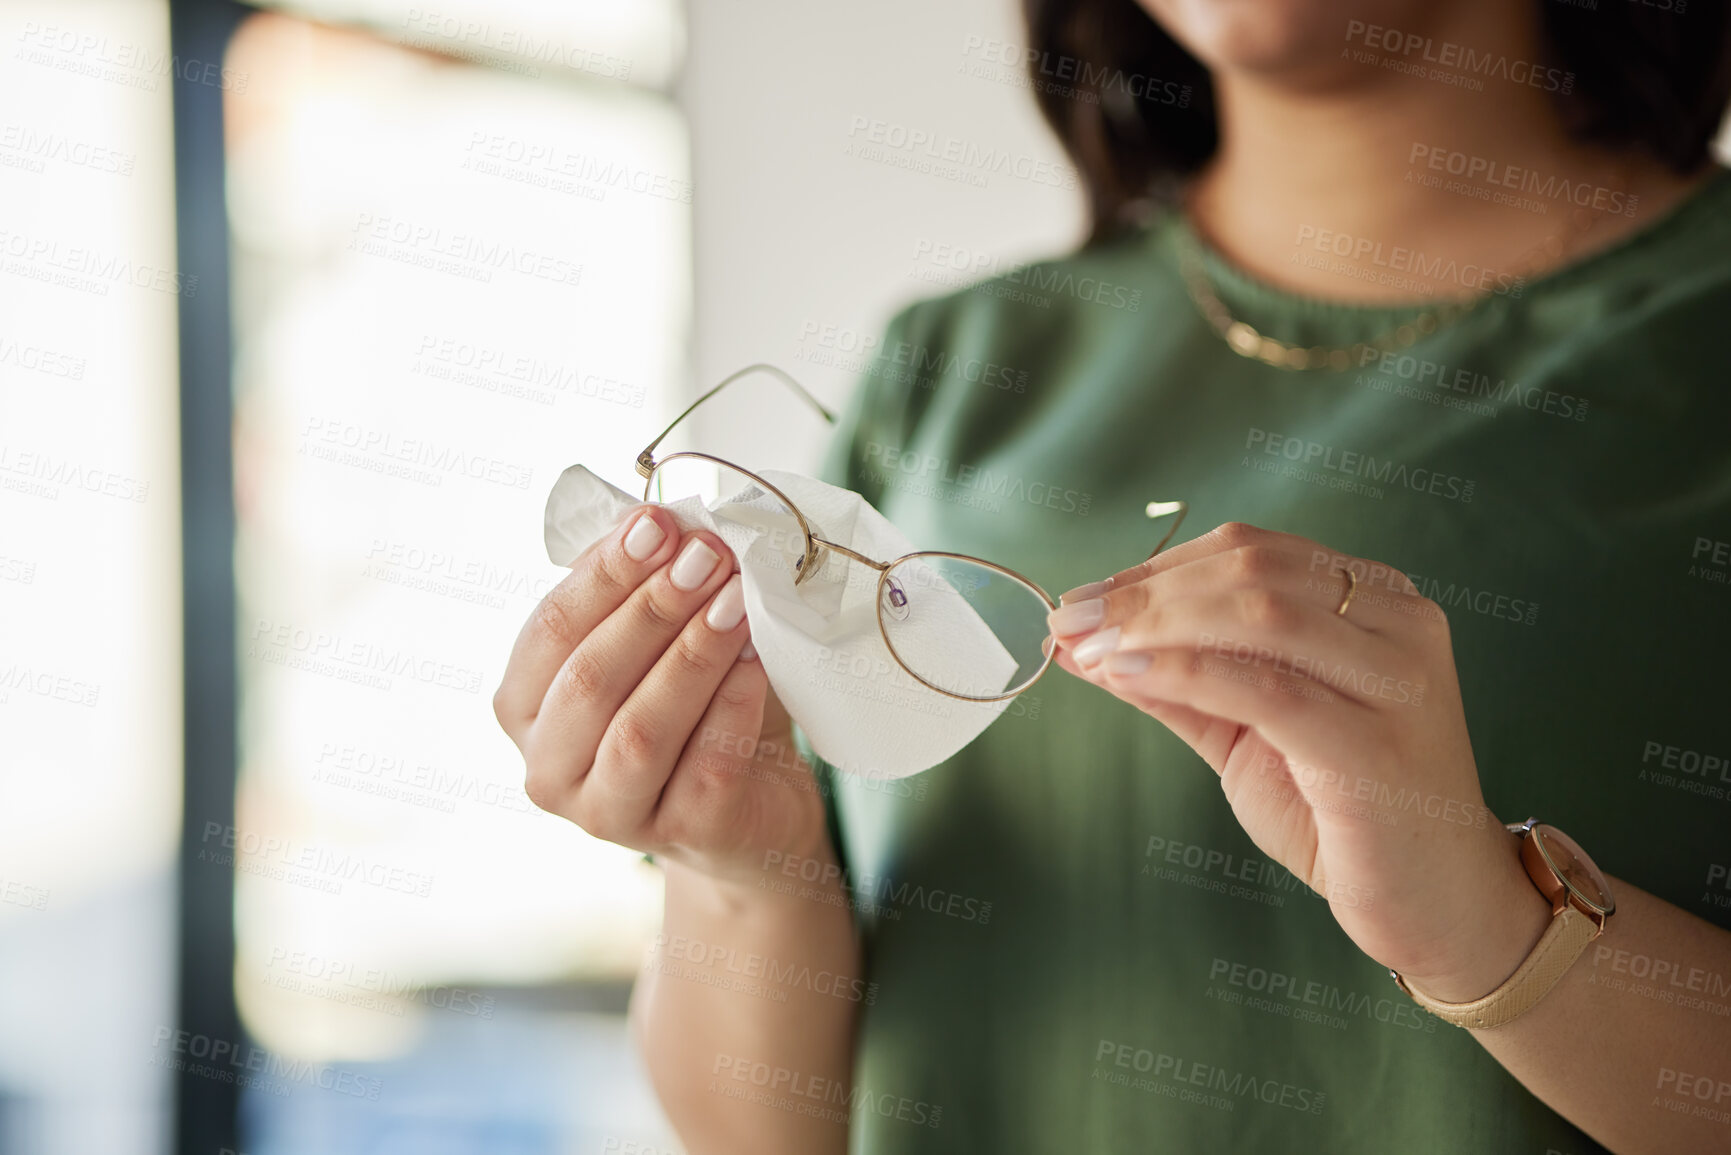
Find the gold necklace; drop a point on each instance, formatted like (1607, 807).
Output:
(1243, 338)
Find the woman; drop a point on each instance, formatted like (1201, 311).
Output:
(1430, 293)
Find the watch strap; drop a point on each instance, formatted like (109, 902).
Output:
(1562, 943)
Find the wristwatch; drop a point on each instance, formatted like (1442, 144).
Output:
(1581, 906)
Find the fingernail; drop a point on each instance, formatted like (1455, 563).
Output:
(644, 539)
(1046, 645)
(1091, 590)
(694, 564)
(1097, 647)
(1128, 663)
(1078, 618)
(728, 607)
(748, 653)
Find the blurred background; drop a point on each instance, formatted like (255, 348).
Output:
(303, 308)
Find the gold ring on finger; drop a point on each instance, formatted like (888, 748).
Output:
(1351, 588)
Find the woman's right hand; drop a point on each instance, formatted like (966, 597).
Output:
(643, 715)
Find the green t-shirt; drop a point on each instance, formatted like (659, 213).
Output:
(1075, 946)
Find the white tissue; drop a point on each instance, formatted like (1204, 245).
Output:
(819, 642)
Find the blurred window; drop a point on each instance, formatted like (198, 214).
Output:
(461, 251)
(90, 600)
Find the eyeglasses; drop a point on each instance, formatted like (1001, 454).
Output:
(922, 598)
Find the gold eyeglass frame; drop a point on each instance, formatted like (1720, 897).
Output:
(808, 564)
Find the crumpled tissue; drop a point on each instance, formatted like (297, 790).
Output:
(819, 641)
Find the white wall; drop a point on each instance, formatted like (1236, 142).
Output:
(793, 233)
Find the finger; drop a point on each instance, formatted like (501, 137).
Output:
(608, 664)
(703, 794)
(1231, 535)
(1190, 725)
(1376, 596)
(1371, 574)
(1210, 737)
(645, 737)
(1263, 565)
(1258, 630)
(601, 578)
(1294, 714)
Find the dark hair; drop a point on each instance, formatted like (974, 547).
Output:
(1135, 111)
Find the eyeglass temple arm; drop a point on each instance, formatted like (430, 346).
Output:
(646, 459)
(1162, 509)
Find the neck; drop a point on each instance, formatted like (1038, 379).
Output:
(1370, 163)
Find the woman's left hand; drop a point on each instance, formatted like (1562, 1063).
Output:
(1339, 739)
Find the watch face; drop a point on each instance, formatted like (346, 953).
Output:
(1574, 867)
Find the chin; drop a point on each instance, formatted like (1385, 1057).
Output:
(1280, 36)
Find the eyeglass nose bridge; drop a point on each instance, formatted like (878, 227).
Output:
(808, 563)
(817, 546)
